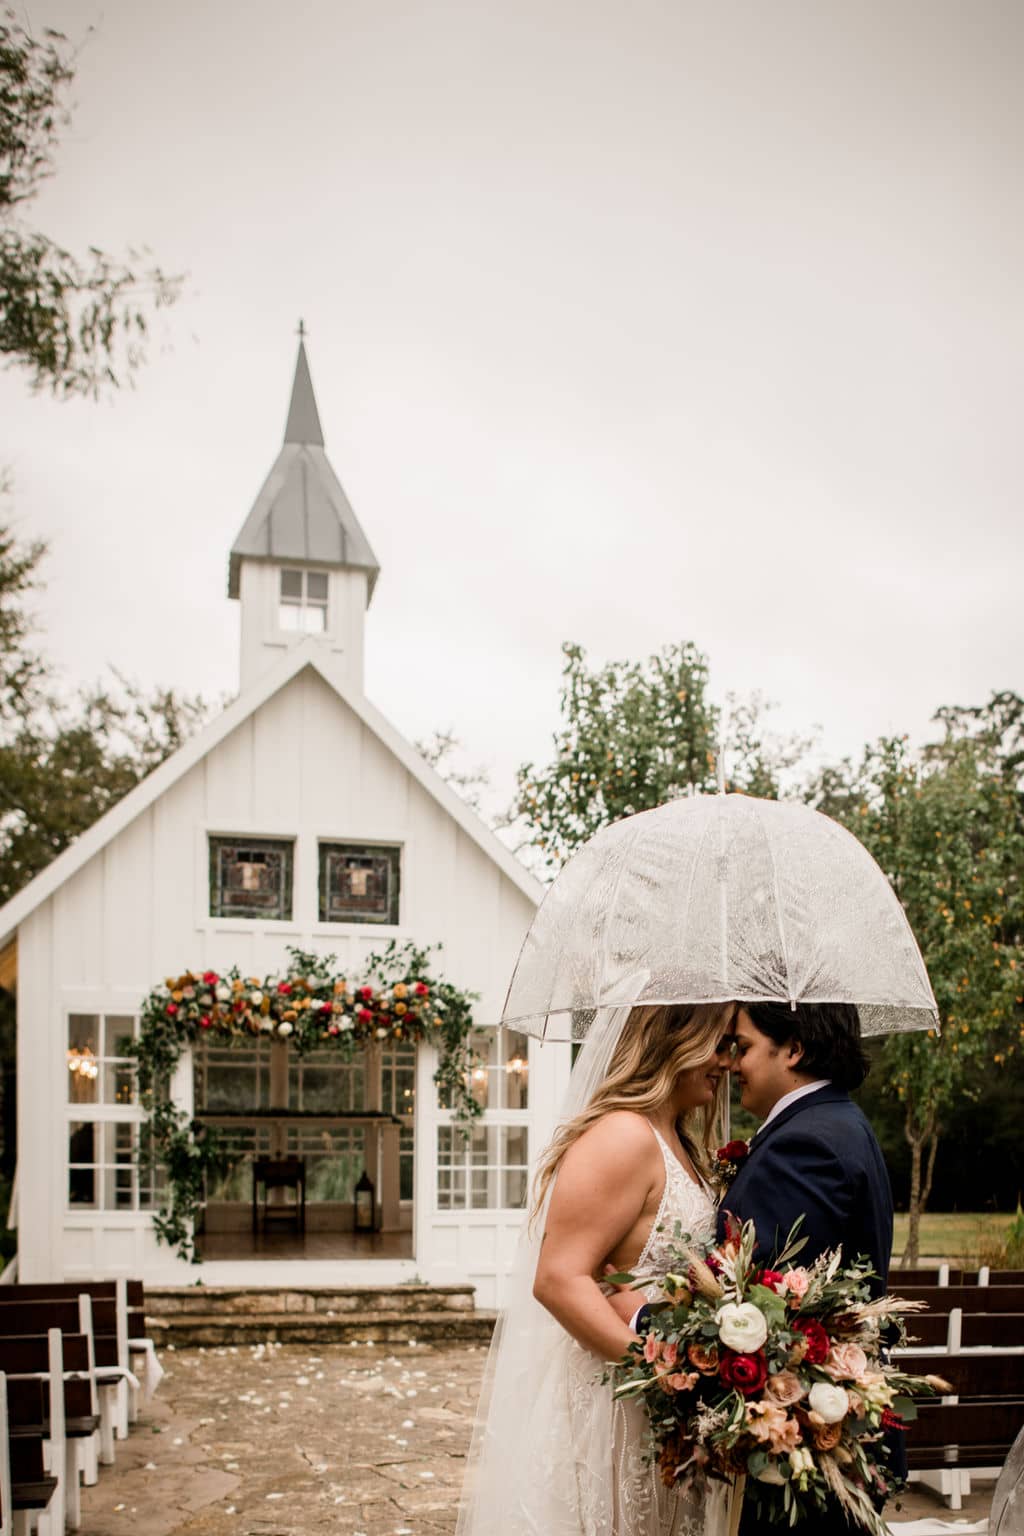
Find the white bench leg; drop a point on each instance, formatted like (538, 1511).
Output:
(89, 1459)
(108, 1414)
(72, 1488)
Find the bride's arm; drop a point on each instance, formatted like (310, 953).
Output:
(603, 1185)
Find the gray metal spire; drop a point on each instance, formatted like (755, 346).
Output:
(303, 417)
(302, 514)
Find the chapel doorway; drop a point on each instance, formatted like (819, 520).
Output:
(334, 1120)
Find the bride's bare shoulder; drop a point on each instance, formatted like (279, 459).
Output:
(620, 1133)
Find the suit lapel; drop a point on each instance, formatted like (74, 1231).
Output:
(827, 1095)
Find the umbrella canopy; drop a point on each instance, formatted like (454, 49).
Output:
(716, 898)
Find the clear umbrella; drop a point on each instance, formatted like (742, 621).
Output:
(714, 898)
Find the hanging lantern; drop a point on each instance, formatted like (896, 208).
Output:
(365, 1205)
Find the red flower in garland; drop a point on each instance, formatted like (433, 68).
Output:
(364, 1016)
(285, 988)
(211, 978)
(421, 989)
(818, 1341)
(205, 1022)
(747, 1373)
(366, 993)
(171, 1009)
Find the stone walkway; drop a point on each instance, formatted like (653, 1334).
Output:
(284, 1440)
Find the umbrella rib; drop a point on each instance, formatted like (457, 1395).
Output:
(778, 909)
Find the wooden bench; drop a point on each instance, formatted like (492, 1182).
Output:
(972, 1429)
(957, 1329)
(970, 1298)
(136, 1351)
(33, 1357)
(27, 1491)
(97, 1322)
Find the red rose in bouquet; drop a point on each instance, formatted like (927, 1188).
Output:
(747, 1373)
(818, 1341)
(732, 1152)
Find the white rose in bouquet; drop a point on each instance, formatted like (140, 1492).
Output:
(830, 1402)
(741, 1326)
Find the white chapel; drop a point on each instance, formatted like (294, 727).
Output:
(298, 817)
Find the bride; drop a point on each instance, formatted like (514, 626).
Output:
(553, 1453)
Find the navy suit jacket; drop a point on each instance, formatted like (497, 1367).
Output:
(818, 1159)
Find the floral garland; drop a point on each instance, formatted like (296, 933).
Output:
(310, 1007)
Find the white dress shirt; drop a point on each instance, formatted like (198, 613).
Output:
(791, 1098)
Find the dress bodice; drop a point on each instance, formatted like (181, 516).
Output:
(682, 1202)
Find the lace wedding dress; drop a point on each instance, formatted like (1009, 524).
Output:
(574, 1462)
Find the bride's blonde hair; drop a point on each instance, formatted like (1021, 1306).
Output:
(658, 1042)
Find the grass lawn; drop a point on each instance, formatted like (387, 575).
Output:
(953, 1235)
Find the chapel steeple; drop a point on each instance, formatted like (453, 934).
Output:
(302, 564)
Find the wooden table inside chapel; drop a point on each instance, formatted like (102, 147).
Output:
(273, 1153)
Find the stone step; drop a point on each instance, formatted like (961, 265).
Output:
(232, 1302)
(189, 1329)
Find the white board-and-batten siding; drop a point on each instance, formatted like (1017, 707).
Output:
(305, 765)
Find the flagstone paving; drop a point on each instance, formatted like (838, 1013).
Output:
(284, 1440)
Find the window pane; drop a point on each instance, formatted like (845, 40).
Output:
(314, 620)
(83, 1067)
(446, 1143)
(514, 1153)
(250, 878)
(514, 1192)
(291, 585)
(289, 617)
(358, 884)
(118, 1082)
(81, 1149)
(316, 586)
(516, 1055)
(84, 1032)
(119, 1032)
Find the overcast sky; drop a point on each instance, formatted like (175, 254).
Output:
(628, 324)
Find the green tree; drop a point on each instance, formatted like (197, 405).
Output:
(633, 735)
(75, 324)
(64, 763)
(945, 826)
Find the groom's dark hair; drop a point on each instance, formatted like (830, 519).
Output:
(828, 1032)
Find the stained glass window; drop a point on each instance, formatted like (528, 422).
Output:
(250, 878)
(358, 884)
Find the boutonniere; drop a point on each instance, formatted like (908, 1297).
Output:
(728, 1162)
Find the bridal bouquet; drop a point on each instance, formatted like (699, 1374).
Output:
(774, 1376)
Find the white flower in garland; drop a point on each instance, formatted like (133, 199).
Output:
(223, 993)
(284, 1028)
(256, 997)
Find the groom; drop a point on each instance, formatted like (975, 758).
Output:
(814, 1155)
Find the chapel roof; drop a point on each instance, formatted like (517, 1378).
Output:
(302, 512)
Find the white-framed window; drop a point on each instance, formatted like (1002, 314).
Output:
(302, 606)
(499, 1074)
(104, 1121)
(486, 1172)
